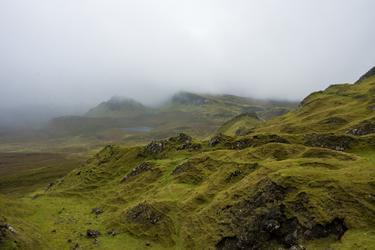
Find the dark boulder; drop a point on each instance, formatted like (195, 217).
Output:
(141, 168)
(92, 233)
(96, 211)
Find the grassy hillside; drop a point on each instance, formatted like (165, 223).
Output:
(304, 180)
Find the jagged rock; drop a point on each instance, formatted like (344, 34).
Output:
(181, 138)
(143, 167)
(92, 233)
(261, 218)
(154, 148)
(96, 211)
(364, 128)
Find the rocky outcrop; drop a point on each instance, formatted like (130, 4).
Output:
(141, 168)
(92, 233)
(180, 142)
(261, 220)
(153, 148)
(332, 141)
(364, 128)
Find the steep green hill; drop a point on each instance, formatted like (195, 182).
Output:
(304, 180)
(118, 107)
(240, 125)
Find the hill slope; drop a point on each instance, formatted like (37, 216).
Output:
(287, 184)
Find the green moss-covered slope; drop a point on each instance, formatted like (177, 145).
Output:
(304, 180)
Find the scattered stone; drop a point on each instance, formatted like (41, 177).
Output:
(96, 211)
(92, 233)
(271, 226)
(143, 167)
(144, 214)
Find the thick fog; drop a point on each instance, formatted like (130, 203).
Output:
(80, 52)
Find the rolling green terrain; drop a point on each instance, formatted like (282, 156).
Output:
(303, 180)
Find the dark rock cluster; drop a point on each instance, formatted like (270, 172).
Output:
(141, 168)
(92, 233)
(364, 128)
(255, 140)
(153, 148)
(96, 211)
(144, 214)
(180, 142)
(332, 141)
(261, 220)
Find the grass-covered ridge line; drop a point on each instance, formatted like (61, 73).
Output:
(304, 180)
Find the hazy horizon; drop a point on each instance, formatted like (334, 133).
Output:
(80, 53)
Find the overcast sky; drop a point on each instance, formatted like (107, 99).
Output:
(79, 52)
